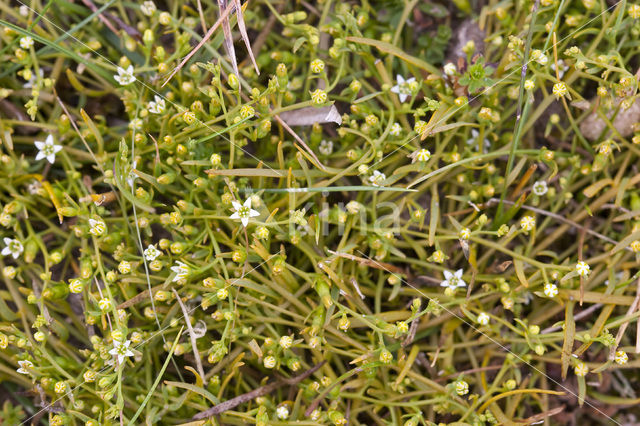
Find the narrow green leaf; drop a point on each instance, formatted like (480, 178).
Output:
(393, 50)
(157, 381)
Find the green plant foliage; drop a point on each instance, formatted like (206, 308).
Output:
(319, 213)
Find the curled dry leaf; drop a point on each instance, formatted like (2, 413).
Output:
(311, 115)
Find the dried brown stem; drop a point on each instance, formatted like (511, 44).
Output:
(261, 391)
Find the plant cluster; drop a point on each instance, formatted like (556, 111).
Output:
(382, 218)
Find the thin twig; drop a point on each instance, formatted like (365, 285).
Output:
(300, 141)
(192, 336)
(201, 13)
(585, 313)
(206, 37)
(243, 33)
(561, 219)
(261, 391)
(623, 326)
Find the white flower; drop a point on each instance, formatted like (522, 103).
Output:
(24, 10)
(29, 84)
(396, 129)
(453, 280)
(486, 144)
(24, 366)
(26, 42)
(423, 155)
(539, 57)
(560, 89)
(135, 124)
(450, 69)
(243, 212)
(402, 87)
(286, 342)
(76, 286)
(98, 227)
(464, 234)
(148, 8)
(540, 188)
(581, 369)
(124, 267)
(125, 77)
(621, 357)
(104, 304)
(562, 67)
(269, 361)
(462, 387)
(121, 350)
(132, 174)
(550, 290)
(377, 178)
(13, 248)
(151, 253)
(353, 207)
(326, 147)
(157, 106)
(47, 149)
(282, 412)
(181, 270)
(582, 269)
(527, 223)
(483, 318)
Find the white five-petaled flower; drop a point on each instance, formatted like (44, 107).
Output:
(286, 342)
(13, 248)
(326, 147)
(121, 350)
(453, 280)
(527, 223)
(581, 369)
(582, 269)
(462, 387)
(540, 188)
(486, 143)
(125, 77)
(402, 87)
(483, 318)
(423, 155)
(562, 67)
(550, 290)
(26, 42)
(464, 234)
(181, 270)
(105, 304)
(621, 357)
(377, 178)
(560, 89)
(24, 366)
(98, 227)
(396, 129)
(282, 412)
(136, 124)
(450, 69)
(47, 149)
(157, 106)
(151, 253)
(243, 212)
